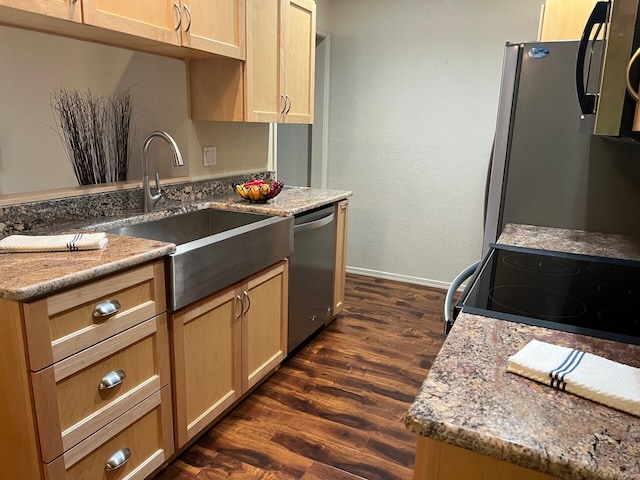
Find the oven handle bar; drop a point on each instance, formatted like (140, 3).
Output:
(448, 301)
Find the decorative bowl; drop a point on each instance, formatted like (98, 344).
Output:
(259, 190)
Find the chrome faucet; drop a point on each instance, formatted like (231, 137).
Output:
(150, 199)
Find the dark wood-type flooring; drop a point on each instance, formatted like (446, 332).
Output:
(335, 411)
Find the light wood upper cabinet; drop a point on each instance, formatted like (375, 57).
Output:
(280, 67)
(299, 62)
(564, 19)
(216, 26)
(152, 19)
(342, 215)
(225, 344)
(264, 69)
(65, 9)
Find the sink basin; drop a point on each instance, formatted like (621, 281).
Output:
(215, 249)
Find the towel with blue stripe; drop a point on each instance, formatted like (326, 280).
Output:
(570, 370)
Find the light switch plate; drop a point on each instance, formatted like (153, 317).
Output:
(209, 155)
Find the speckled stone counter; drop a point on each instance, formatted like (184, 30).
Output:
(471, 401)
(28, 275)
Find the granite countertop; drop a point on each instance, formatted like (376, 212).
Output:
(471, 401)
(29, 275)
(290, 201)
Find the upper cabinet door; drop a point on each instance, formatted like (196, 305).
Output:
(65, 9)
(153, 19)
(299, 48)
(280, 66)
(564, 19)
(263, 70)
(216, 26)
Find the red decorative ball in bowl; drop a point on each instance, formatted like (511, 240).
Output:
(259, 190)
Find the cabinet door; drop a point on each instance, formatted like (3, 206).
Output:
(153, 19)
(142, 437)
(215, 26)
(264, 325)
(299, 61)
(206, 354)
(66, 9)
(263, 73)
(342, 214)
(564, 19)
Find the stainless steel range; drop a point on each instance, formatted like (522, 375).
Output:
(583, 294)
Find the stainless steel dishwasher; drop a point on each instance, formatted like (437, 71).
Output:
(311, 270)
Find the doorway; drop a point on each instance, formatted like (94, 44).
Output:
(300, 150)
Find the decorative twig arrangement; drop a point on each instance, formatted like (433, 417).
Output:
(95, 131)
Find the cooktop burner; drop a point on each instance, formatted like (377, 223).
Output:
(577, 293)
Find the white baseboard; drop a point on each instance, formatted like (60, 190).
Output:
(399, 278)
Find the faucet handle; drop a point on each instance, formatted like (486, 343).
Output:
(155, 197)
(157, 184)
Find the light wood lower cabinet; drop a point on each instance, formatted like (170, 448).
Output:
(342, 217)
(85, 374)
(135, 444)
(437, 460)
(224, 345)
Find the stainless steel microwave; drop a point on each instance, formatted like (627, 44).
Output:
(612, 106)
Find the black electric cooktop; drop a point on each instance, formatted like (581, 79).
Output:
(576, 293)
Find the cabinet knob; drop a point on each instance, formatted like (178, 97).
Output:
(112, 379)
(106, 308)
(118, 459)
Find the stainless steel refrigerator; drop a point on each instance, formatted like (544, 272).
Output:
(544, 170)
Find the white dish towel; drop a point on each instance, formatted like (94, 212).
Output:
(53, 243)
(589, 376)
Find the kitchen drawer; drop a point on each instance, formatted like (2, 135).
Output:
(63, 324)
(145, 430)
(69, 404)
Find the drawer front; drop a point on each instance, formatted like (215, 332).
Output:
(142, 436)
(71, 405)
(63, 324)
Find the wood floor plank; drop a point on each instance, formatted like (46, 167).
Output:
(321, 471)
(335, 411)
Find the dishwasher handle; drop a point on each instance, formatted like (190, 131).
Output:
(303, 227)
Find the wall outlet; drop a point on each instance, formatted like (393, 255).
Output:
(209, 154)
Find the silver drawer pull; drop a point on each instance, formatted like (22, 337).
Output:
(106, 308)
(118, 459)
(112, 379)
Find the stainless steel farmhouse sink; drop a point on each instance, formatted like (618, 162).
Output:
(215, 248)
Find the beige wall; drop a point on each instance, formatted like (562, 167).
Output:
(413, 102)
(32, 155)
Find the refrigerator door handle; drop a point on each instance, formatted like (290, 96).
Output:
(597, 18)
(630, 88)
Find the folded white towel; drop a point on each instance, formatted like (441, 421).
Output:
(589, 376)
(53, 243)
